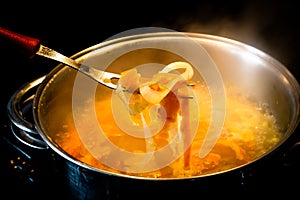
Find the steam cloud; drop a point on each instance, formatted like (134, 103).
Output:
(268, 26)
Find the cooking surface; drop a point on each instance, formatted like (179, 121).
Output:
(31, 172)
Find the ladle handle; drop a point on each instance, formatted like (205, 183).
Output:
(24, 44)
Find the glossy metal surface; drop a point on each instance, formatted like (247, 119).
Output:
(106, 78)
(270, 82)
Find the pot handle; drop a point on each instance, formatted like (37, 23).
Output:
(19, 109)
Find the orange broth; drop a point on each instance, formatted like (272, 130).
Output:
(249, 131)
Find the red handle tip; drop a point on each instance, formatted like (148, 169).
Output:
(26, 45)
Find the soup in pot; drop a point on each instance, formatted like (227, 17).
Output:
(168, 112)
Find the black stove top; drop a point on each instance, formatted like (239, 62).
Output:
(35, 173)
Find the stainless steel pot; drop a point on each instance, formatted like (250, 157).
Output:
(262, 77)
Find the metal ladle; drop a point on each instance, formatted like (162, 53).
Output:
(32, 46)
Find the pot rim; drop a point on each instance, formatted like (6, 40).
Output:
(289, 78)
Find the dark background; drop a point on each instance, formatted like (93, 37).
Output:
(271, 26)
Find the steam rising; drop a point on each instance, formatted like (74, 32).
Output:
(268, 26)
